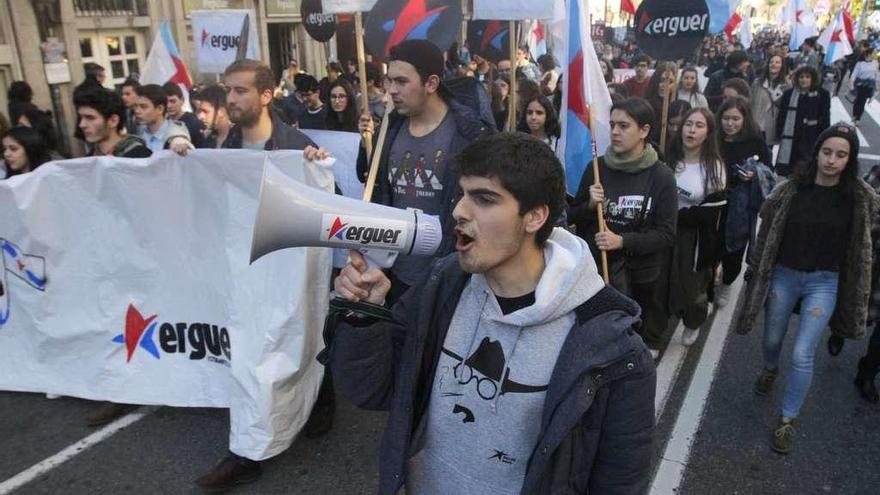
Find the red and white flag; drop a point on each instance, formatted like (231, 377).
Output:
(731, 26)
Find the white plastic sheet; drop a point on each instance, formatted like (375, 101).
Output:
(147, 294)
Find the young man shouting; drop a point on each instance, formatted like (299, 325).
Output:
(510, 368)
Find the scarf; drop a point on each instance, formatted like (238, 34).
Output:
(632, 165)
(788, 129)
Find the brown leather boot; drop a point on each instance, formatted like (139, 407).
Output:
(231, 471)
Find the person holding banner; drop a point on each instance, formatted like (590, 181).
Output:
(515, 327)
(101, 115)
(157, 131)
(426, 128)
(814, 246)
(176, 101)
(251, 85)
(640, 199)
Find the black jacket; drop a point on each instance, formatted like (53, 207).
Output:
(598, 415)
(714, 93)
(468, 127)
(645, 239)
(284, 137)
(813, 115)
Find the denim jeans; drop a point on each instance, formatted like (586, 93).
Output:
(818, 291)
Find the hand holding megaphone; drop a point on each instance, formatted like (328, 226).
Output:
(358, 282)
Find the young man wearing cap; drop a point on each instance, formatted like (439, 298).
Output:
(511, 367)
(257, 127)
(426, 128)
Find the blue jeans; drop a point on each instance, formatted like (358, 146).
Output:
(818, 291)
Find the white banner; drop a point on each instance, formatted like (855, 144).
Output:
(217, 34)
(344, 146)
(512, 10)
(128, 281)
(346, 6)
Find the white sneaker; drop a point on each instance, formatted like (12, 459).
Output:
(722, 295)
(689, 336)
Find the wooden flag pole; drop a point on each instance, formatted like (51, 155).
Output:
(362, 73)
(374, 162)
(665, 116)
(511, 98)
(600, 208)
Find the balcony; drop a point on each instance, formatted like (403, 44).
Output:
(110, 8)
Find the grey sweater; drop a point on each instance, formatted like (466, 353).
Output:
(483, 419)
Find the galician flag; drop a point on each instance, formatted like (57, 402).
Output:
(799, 16)
(164, 63)
(585, 93)
(835, 40)
(536, 40)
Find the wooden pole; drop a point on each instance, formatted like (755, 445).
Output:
(374, 162)
(511, 113)
(600, 208)
(666, 97)
(362, 73)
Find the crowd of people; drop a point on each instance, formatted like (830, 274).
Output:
(690, 191)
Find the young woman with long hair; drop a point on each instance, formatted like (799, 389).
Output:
(814, 246)
(541, 120)
(342, 115)
(640, 202)
(24, 149)
(742, 148)
(501, 100)
(766, 95)
(689, 88)
(701, 179)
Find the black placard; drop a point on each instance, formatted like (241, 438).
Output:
(321, 27)
(671, 29)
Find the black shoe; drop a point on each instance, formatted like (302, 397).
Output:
(835, 344)
(865, 383)
(231, 471)
(320, 421)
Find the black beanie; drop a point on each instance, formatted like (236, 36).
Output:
(843, 131)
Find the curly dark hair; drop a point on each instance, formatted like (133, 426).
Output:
(525, 166)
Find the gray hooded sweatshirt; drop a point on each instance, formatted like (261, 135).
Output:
(484, 415)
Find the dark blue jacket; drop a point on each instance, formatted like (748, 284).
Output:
(468, 126)
(598, 415)
(284, 137)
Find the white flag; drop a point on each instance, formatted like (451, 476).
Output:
(512, 10)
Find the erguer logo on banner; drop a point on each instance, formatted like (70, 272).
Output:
(223, 42)
(195, 340)
(217, 36)
(351, 231)
(671, 30)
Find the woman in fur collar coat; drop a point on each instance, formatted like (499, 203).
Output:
(814, 245)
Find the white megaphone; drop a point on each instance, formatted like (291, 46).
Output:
(291, 214)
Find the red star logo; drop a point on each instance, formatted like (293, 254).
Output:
(835, 36)
(135, 325)
(204, 36)
(577, 101)
(336, 228)
(797, 16)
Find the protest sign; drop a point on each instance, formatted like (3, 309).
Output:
(217, 35)
(671, 30)
(128, 281)
(393, 21)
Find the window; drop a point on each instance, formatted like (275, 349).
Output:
(121, 53)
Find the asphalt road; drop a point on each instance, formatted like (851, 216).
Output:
(837, 446)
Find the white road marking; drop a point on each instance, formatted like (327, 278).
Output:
(68, 453)
(672, 465)
(668, 369)
(838, 113)
(873, 109)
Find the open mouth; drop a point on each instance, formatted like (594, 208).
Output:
(463, 242)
